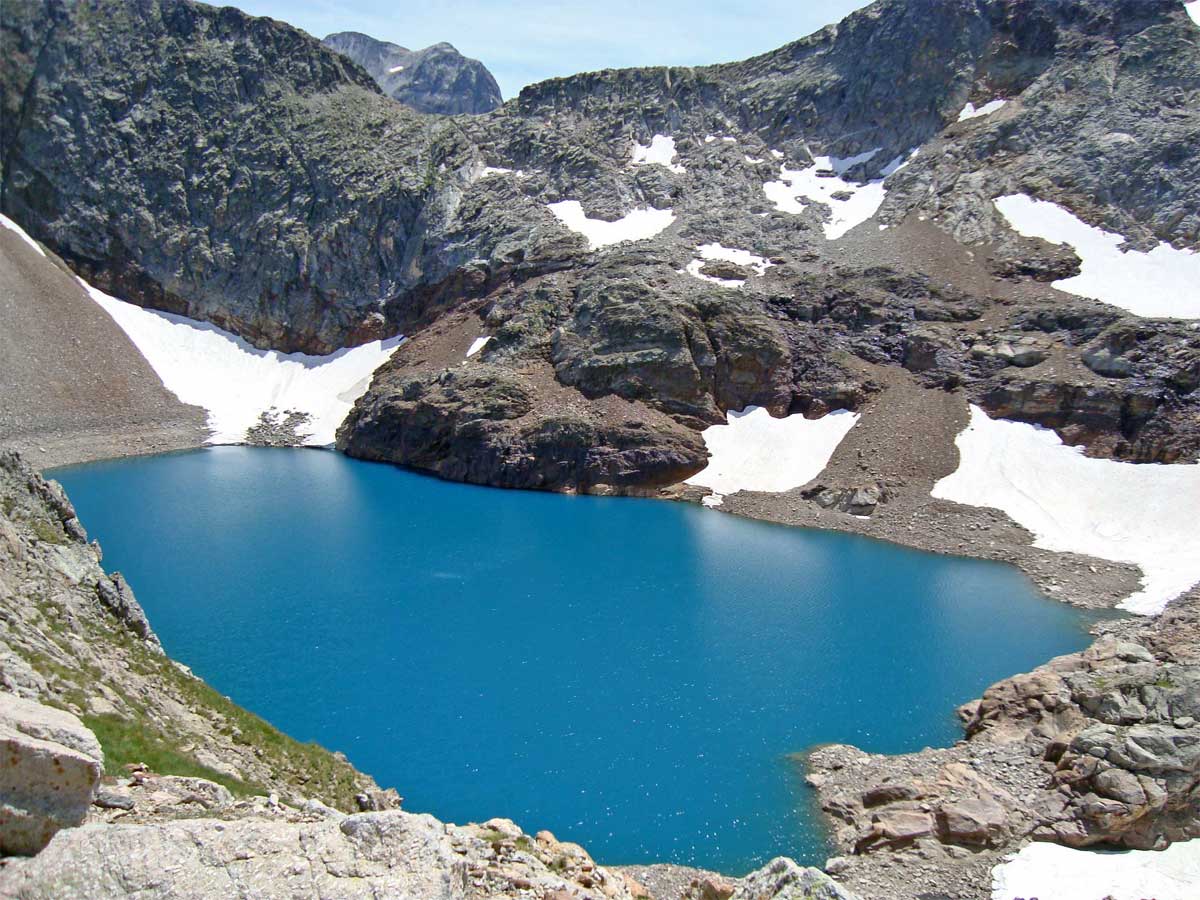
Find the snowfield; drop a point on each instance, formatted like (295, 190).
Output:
(757, 452)
(478, 344)
(236, 382)
(661, 152)
(1143, 514)
(633, 226)
(796, 188)
(712, 252)
(1055, 872)
(1164, 283)
(1193, 10)
(970, 112)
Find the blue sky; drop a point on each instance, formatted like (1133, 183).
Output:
(531, 40)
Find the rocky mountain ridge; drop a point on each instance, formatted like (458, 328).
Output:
(437, 79)
(359, 219)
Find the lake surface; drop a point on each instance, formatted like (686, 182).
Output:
(632, 675)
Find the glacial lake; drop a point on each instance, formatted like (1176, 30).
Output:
(632, 675)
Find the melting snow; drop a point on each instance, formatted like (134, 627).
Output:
(633, 226)
(13, 226)
(1162, 283)
(660, 152)
(236, 382)
(1063, 873)
(478, 344)
(797, 187)
(1143, 514)
(970, 112)
(712, 252)
(757, 452)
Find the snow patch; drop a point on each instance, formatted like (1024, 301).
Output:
(1063, 873)
(660, 153)
(394, 69)
(1162, 283)
(13, 226)
(478, 344)
(236, 382)
(856, 203)
(970, 112)
(713, 252)
(1138, 513)
(638, 225)
(757, 452)
(1193, 10)
(753, 160)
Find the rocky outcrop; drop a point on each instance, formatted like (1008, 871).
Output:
(482, 424)
(1100, 747)
(437, 79)
(50, 772)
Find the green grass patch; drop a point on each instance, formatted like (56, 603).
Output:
(48, 532)
(126, 741)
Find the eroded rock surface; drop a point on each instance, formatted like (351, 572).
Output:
(49, 772)
(1095, 748)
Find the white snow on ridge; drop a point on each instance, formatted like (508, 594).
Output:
(637, 225)
(478, 344)
(1193, 10)
(660, 152)
(236, 382)
(970, 112)
(1055, 872)
(13, 226)
(716, 251)
(757, 452)
(798, 187)
(1164, 283)
(1139, 513)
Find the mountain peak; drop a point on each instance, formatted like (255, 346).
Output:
(437, 79)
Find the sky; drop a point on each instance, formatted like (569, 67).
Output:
(525, 41)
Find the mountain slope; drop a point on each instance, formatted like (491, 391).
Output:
(437, 79)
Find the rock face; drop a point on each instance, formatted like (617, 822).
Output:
(279, 208)
(329, 215)
(437, 79)
(1100, 747)
(51, 769)
(274, 852)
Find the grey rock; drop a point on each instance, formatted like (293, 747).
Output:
(437, 79)
(111, 799)
(52, 766)
(783, 879)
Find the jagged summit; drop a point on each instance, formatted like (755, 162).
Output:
(437, 79)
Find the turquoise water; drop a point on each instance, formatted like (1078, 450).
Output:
(630, 674)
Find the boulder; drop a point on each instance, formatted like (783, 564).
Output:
(50, 771)
(783, 879)
(974, 822)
